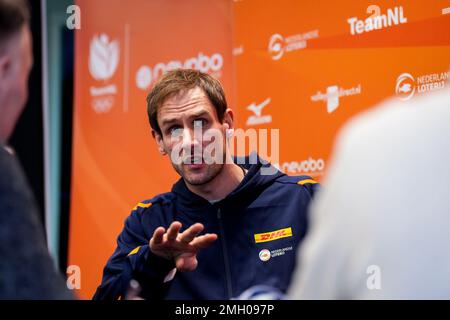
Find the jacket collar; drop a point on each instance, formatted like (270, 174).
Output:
(249, 189)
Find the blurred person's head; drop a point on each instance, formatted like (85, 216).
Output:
(180, 101)
(15, 63)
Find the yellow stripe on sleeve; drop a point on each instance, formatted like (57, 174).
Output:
(302, 182)
(134, 251)
(142, 205)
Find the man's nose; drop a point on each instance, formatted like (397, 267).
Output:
(191, 139)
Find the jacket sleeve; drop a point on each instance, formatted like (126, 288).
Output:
(310, 185)
(27, 271)
(133, 260)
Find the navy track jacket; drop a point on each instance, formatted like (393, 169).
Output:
(259, 226)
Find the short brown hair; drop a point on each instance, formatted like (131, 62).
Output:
(179, 80)
(13, 15)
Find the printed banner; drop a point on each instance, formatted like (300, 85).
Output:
(300, 67)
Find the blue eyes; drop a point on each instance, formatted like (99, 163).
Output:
(173, 128)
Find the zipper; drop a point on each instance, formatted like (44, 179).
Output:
(225, 255)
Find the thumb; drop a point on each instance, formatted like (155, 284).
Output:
(186, 262)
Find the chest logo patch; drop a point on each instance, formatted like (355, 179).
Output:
(273, 235)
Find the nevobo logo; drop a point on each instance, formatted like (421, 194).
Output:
(145, 75)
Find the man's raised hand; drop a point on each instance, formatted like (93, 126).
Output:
(182, 247)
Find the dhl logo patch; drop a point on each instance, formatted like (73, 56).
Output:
(274, 235)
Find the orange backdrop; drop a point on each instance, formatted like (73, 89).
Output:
(303, 67)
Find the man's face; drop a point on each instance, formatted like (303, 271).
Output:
(181, 118)
(16, 61)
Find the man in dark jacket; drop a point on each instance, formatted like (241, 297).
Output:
(254, 216)
(26, 268)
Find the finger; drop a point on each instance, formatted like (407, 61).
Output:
(190, 264)
(189, 234)
(134, 290)
(158, 236)
(204, 241)
(172, 232)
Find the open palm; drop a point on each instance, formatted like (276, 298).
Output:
(182, 247)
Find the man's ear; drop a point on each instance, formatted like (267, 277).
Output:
(228, 118)
(5, 64)
(159, 141)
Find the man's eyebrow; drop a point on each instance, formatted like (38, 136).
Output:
(199, 114)
(168, 121)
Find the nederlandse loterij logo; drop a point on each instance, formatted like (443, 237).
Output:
(264, 255)
(333, 94)
(278, 44)
(377, 20)
(103, 57)
(258, 118)
(407, 85)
